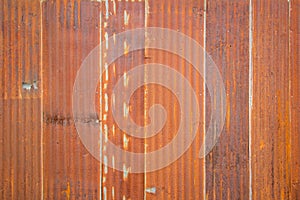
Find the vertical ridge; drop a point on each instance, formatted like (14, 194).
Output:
(250, 95)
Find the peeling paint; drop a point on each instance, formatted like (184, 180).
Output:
(125, 172)
(126, 48)
(147, 11)
(125, 110)
(125, 141)
(29, 86)
(113, 192)
(126, 17)
(106, 9)
(114, 5)
(105, 164)
(151, 190)
(104, 193)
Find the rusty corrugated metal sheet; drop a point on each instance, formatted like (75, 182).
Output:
(271, 122)
(295, 97)
(119, 16)
(42, 45)
(20, 104)
(70, 32)
(183, 179)
(227, 41)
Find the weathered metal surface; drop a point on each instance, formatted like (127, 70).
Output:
(255, 46)
(271, 108)
(70, 31)
(227, 41)
(119, 16)
(183, 179)
(20, 104)
(294, 67)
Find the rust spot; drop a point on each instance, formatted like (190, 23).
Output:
(68, 120)
(67, 192)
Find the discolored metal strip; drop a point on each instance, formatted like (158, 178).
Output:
(227, 41)
(70, 31)
(116, 17)
(183, 179)
(271, 122)
(20, 106)
(294, 8)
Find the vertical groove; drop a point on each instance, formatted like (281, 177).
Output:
(19, 118)
(70, 32)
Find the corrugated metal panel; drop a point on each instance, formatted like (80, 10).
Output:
(70, 32)
(295, 98)
(227, 41)
(271, 122)
(43, 44)
(183, 179)
(20, 104)
(119, 16)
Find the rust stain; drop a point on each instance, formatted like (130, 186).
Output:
(227, 41)
(42, 44)
(118, 16)
(67, 192)
(183, 179)
(20, 109)
(70, 31)
(270, 115)
(294, 97)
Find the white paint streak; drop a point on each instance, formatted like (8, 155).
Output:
(125, 141)
(125, 172)
(107, 9)
(204, 93)
(125, 110)
(113, 162)
(113, 192)
(106, 40)
(113, 130)
(126, 47)
(106, 102)
(105, 128)
(125, 79)
(114, 5)
(105, 164)
(250, 95)
(104, 193)
(100, 103)
(147, 11)
(126, 17)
